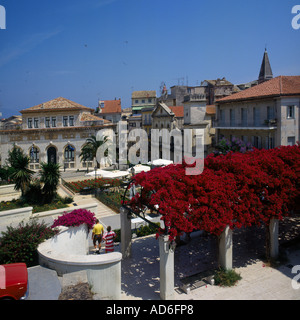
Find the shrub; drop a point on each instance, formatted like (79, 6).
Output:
(147, 230)
(17, 203)
(33, 194)
(118, 235)
(75, 218)
(140, 232)
(20, 244)
(226, 278)
(67, 200)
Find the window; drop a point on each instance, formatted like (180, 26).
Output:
(269, 142)
(255, 117)
(29, 123)
(149, 100)
(270, 113)
(143, 101)
(244, 117)
(290, 112)
(136, 101)
(65, 121)
(69, 153)
(36, 122)
(232, 117)
(291, 141)
(71, 121)
(34, 155)
(222, 119)
(53, 119)
(47, 122)
(256, 142)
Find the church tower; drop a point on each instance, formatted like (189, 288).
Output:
(265, 73)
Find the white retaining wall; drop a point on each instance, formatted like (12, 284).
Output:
(8, 189)
(66, 253)
(15, 216)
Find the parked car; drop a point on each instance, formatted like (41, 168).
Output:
(14, 281)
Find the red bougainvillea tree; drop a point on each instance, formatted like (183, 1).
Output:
(236, 189)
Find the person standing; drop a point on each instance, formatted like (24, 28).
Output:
(97, 235)
(109, 238)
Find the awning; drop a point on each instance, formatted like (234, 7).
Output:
(160, 162)
(139, 168)
(108, 174)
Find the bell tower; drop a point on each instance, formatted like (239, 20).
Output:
(265, 73)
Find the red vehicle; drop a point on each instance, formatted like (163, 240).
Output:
(14, 281)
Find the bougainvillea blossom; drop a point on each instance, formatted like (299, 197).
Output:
(236, 189)
(75, 218)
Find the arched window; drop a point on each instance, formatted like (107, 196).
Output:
(69, 153)
(34, 155)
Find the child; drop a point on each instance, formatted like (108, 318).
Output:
(109, 238)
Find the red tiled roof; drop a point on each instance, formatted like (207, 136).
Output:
(112, 106)
(279, 86)
(57, 104)
(178, 111)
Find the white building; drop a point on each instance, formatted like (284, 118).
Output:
(54, 131)
(266, 115)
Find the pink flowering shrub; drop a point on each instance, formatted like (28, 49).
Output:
(75, 218)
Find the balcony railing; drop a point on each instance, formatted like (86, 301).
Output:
(194, 97)
(265, 125)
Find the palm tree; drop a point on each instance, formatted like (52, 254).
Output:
(89, 150)
(49, 175)
(21, 174)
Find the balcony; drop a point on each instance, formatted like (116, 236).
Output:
(266, 125)
(195, 98)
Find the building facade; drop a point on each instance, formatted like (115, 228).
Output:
(266, 115)
(54, 131)
(199, 115)
(142, 99)
(211, 89)
(164, 117)
(109, 110)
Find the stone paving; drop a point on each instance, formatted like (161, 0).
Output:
(140, 275)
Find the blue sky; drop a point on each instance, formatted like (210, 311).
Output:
(105, 49)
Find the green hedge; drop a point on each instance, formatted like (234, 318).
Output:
(112, 200)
